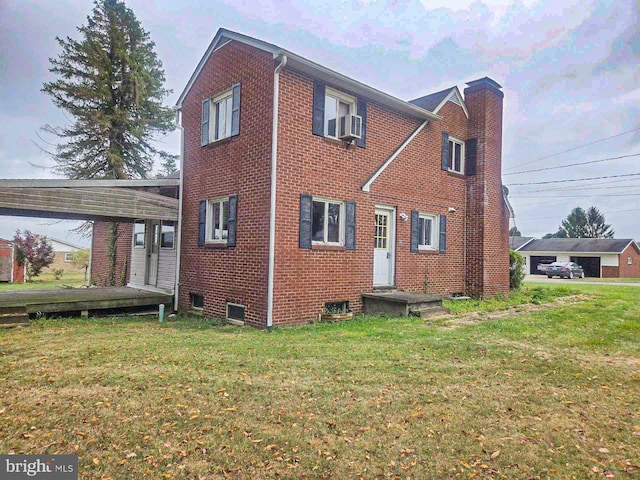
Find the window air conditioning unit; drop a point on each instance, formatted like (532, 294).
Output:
(350, 127)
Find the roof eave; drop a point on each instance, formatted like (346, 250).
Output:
(62, 183)
(303, 65)
(454, 90)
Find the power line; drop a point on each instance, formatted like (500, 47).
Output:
(572, 164)
(583, 196)
(608, 213)
(575, 179)
(575, 148)
(582, 187)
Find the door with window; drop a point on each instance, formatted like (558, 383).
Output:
(152, 252)
(384, 247)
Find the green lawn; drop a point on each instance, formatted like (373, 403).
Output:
(546, 394)
(47, 281)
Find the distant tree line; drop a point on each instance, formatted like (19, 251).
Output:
(578, 224)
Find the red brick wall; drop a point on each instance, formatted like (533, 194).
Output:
(100, 254)
(487, 216)
(239, 165)
(610, 272)
(306, 279)
(626, 270)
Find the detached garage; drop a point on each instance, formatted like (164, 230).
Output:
(599, 257)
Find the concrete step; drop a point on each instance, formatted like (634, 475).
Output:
(428, 312)
(399, 304)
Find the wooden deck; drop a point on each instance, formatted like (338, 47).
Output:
(19, 304)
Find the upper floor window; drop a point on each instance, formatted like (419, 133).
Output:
(221, 107)
(336, 105)
(327, 222)
(428, 235)
(456, 155)
(217, 229)
(220, 116)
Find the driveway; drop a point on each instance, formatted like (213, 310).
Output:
(556, 280)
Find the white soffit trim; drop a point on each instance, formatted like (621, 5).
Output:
(524, 244)
(366, 187)
(303, 65)
(455, 92)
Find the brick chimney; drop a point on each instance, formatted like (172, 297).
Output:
(487, 222)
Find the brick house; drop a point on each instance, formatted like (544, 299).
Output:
(302, 188)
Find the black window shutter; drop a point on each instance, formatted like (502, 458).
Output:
(318, 108)
(204, 122)
(202, 222)
(445, 151)
(362, 111)
(471, 156)
(415, 230)
(350, 226)
(235, 110)
(233, 220)
(306, 209)
(443, 234)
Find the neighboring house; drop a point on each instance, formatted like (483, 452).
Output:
(10, 271)
(302, 188)
(63, 257)
(599, 257)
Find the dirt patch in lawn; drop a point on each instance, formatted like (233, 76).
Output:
(451, 321)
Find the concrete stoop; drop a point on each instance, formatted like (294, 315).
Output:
(403, 304)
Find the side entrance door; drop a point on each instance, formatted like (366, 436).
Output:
(152, 252)
(384, 247)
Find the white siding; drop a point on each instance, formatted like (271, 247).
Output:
(610, 260)
(167, 269)
(137, 269)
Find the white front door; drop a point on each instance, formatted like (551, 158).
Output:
(384, 247)
(152, 252)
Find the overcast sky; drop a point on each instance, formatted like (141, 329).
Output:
(570, 72)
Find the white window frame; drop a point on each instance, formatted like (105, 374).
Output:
(235, 321)
(143, 233)
(327, 201)
(629, 260)
(209, 226)
(213, 118)
(174, 236)
(452, 142)
(66, 257)
(435, 234)
(340, 97)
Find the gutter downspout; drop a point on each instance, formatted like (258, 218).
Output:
(272, 208)
(176, 289)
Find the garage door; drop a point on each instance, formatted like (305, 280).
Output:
(535, 260)
(590, 265)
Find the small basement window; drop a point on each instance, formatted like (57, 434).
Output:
(197, 301)
(235, 312)
(336, 307)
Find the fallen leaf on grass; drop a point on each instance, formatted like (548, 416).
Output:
(603, 450)
(96, 461)
(495, 454)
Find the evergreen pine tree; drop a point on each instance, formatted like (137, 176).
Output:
(110, 81)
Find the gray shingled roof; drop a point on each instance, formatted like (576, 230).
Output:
(516, 242)
(578, 245)
(430, 102)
